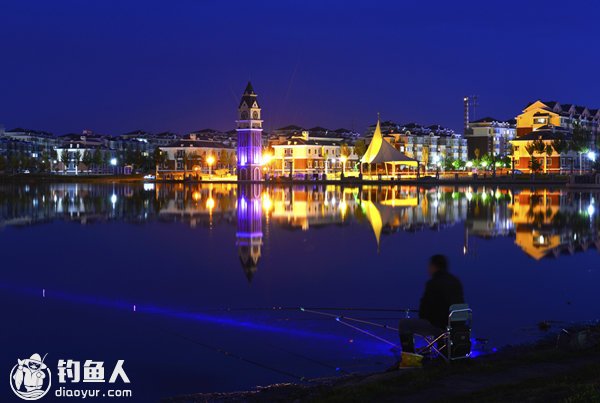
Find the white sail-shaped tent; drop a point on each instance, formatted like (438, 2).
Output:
(382, 152)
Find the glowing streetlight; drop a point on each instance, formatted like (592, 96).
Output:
(266, 158)
(113, 163)
(210, 160)
(591, 210)
(591, 156)
(343, 159)
(266, 161)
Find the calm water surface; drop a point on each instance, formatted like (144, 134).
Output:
(168, 277)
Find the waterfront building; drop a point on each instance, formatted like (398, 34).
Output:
(86, 152)
(249, 135)
(490, 136)
(549, 121)
(550, 160)
(229, 138)
(142, 141)
(306, 155)
(541, 114)
(287, 131)
(386, 127)
(36, 142)
(191, 158)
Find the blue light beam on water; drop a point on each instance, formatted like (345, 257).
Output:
(366, 347)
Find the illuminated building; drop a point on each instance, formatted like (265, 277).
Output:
(550, 120)
(307, 155)
(539, 115)
(490, 136)
(190, 158)
(249, 134)
(549, 162)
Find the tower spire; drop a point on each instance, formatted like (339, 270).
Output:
(249, 89)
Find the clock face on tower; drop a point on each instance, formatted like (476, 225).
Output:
(244, 115)
(254, 115)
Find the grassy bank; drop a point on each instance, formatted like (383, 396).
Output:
(534, 373)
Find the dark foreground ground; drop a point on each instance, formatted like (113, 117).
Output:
(542, 372)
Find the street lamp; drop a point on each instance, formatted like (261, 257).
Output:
(210, 161)
(266, 161)
(592, 156)
(436, 160)
(343, 159)
(266, 158)
(113, 162)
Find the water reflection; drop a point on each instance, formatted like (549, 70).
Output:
(249, 227)
(543, 222)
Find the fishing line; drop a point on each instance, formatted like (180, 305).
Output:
(337, 317)
(366, 332)
(243, 359)
(313, 360)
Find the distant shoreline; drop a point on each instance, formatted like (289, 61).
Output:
(522, 180)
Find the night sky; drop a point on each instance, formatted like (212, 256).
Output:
(116, 66)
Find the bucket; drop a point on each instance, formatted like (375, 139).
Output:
(411, 360)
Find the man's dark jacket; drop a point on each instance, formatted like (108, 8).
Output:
(441, 291)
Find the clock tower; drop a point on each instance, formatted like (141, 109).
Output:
(249, 136)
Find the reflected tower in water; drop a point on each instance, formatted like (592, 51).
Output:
(249, 227)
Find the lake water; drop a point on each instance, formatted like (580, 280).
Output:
(180, 281)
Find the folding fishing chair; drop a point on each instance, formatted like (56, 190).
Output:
(455, 342)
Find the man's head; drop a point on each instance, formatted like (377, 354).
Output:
(437, 263)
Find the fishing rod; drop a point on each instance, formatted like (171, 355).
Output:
(340, 317)
(295, 308)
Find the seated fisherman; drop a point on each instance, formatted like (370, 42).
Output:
(442, 290)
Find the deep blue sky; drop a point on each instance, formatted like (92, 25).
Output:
(115, 66)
